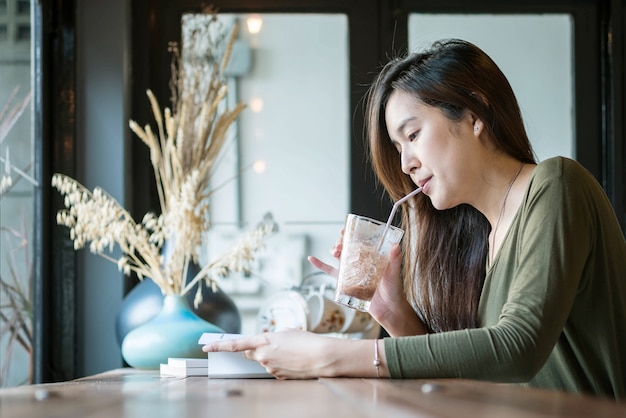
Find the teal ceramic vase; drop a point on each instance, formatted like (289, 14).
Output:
(173, 332)
(145, 300)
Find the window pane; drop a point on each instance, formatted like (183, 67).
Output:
(293, 143)
(22, 33)
(23, 7)
(17, 188)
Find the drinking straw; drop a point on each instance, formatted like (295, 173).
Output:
(393, 212)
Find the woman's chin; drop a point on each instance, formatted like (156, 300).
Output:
(438, 203)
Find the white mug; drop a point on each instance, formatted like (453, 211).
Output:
(324, 314)
(356, 321)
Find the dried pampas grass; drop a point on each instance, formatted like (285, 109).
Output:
(184, 150)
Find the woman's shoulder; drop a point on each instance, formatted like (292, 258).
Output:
(562, 169)
(565, 179)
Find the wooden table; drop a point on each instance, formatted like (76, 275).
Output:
(140, 394)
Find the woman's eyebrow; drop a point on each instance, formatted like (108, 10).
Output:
(402, 125)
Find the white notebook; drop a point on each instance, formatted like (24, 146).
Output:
(187, 362)
(182, 371)
(227, 365)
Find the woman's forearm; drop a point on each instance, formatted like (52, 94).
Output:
(356, 358)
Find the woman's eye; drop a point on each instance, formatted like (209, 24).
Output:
(413, 136)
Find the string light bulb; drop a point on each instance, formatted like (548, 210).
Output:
(259, 166)
(254, 23)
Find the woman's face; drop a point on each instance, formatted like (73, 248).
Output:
(437, 153)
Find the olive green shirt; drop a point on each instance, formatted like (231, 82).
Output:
(553, 307)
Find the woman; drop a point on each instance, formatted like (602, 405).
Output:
(513, 271)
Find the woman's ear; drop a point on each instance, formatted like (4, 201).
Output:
(477, 126)
(473, 122)
(477, 123)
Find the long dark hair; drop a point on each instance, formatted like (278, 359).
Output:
(445, 251)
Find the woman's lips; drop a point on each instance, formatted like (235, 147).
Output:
(424, 184)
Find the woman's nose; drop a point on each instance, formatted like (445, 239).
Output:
(409, 162)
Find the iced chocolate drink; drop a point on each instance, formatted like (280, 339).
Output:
(364, 258)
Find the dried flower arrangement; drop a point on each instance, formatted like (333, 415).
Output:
(183, 153)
